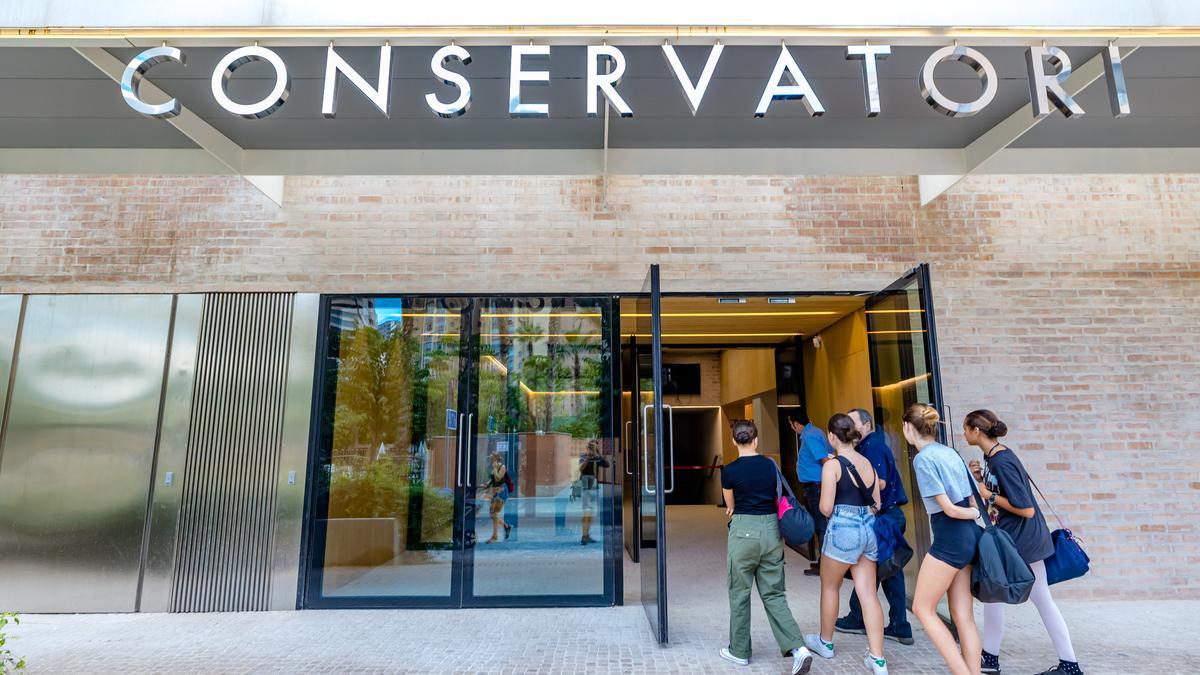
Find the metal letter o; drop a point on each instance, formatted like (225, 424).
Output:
(945, 105)
(240, 57)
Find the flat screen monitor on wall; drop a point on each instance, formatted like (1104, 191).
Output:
(681, 379)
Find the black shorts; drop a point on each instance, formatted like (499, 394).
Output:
(954, 540)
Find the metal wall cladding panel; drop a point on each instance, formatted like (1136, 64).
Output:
(10, 322)
(78, 451)
(166, 491)
(230, 486)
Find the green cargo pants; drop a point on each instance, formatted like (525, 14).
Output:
(756, 555)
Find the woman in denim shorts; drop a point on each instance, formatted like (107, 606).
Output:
(849, 498)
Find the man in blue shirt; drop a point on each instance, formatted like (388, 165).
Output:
(812, 449)
(874, 447)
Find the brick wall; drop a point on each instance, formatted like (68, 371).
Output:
(1067, 304)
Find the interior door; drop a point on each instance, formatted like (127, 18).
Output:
(902, 344)
(656, 480)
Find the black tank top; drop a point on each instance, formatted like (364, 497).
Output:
(847, 492)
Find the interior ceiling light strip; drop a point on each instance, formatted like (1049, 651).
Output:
(892, 332)
(735, 314)
(895, 311)
(713, 335)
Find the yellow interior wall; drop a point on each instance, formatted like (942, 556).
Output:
(748, 392)
(837, 377)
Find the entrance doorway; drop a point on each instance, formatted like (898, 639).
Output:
(765, 357)
(463, 453)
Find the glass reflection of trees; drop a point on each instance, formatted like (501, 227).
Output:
(393, 387)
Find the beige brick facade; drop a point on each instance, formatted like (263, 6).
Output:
(1067, 304)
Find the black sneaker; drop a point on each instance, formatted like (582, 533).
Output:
(991, 663)
(812, 572)
(845, 625)
(1063, 669)
(903, 638)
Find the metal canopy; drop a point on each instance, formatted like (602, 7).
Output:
(61, 113)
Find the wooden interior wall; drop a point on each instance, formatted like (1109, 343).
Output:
(837, 376)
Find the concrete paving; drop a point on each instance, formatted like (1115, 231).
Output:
(1111, 637)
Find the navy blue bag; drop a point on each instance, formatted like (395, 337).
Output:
(795, 523)
(1069, 561)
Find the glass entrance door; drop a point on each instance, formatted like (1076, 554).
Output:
(656, 478)
(902, 344)
(542, 460)
(465, 453)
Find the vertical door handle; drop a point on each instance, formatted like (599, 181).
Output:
(458, 460)
(629, 451)
(646, 477)
(467, 444)
(949, 424)
(671, 436)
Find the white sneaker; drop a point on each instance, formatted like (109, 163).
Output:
(817, 645)
(801, 661)
(877, 666)
(728, 656)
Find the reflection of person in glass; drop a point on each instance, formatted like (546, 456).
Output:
(498, 487)
(589, 487)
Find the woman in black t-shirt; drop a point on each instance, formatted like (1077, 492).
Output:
(1006, 490)
(755, 552)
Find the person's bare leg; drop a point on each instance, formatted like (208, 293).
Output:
(495, 513)
(832, 572)
(962, 610)
(933, 581)
(863, 573)
(587, 525)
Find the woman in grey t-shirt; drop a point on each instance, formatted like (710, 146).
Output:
(945, 487)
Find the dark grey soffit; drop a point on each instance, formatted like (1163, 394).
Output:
(55, 99)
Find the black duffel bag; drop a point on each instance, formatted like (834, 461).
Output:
(795, 523)
(999, 574)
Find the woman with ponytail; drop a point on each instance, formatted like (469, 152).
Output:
(754, 552)
(945, 487)
(1005, 487)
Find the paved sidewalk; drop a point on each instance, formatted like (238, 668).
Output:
(1112, 638)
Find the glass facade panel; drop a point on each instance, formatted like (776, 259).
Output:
(465, 453)
(389, 455)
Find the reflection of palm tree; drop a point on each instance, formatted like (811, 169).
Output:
(527, 334)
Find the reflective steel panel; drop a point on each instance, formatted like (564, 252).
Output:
(230, 481)
(75, 466)
(10, 321)
(166, 490)
(293, 454)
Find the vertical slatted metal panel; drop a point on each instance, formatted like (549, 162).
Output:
(234, 440)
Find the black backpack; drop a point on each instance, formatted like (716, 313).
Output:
(999, 573)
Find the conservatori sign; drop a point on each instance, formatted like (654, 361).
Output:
(1048, 70)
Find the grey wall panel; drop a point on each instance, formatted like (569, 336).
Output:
(167, 487)
(225, 550)
(297, 414)
(78, 450)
